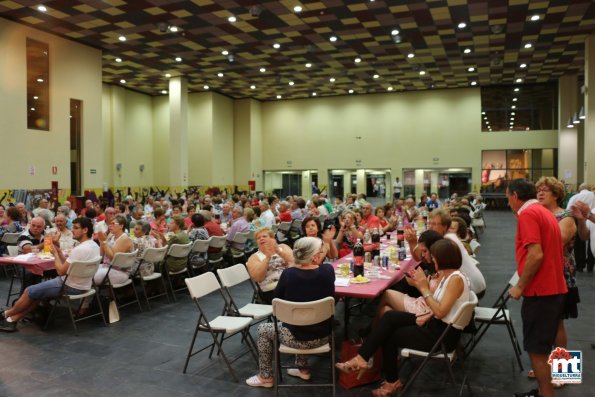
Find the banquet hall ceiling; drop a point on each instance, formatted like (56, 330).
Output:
(503, 41)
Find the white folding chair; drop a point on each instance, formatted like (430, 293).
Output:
(303, 314)
(474, 244)
(296, 229)
(10, 240)
(251, 237)
(83, 269)
(275, 228)
(497, 314)
(239, 238)
(154, 256)
(235, 275)
(283, 232)
(200, 248)
(220, 328)
(216, 258)
(125, 262)
(176, 251)
(438, 351)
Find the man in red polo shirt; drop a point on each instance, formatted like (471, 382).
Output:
(369, 220)
(540, 264)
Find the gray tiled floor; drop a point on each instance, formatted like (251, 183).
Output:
(144, 353)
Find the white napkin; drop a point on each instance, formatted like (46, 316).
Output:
(341, 282)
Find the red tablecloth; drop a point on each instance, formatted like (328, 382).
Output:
(35, 266)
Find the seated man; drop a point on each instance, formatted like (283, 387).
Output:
(82, 230)
(32, 238)
(238, 225)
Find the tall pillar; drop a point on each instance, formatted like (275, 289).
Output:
(361, 181)
(178, 132)
(589, 146)
(567, 137)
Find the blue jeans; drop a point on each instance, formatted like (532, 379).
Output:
(51, 289)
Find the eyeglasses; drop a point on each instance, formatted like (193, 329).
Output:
(544, 189)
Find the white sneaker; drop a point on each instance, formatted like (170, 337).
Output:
(299, 374)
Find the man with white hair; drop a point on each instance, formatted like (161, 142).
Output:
(267, 218)
(284, 213)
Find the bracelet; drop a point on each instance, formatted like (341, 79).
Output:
(425, 296)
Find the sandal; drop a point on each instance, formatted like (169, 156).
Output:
(353, 366)
(255, 381)
(387, 388)
(299, 374)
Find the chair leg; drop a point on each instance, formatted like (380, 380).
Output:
(98, 298)
(191, 347)
(136, 296)
(171, 286)
(76, 331)
(144, 289)
(47, 322)
(220, 349)
(515, 343)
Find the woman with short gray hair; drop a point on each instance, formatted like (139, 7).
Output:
(143, 240)
(309, 280)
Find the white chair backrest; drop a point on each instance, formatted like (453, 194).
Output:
(10, 238)
(274, 228)
(124, 260)
(233, 275)
(304, 313)
(241, 237)
(297, 224)
(202, 285)
(474, 244)
(514, 279)
(154, 255)
(284, 226)
(464, 314)
(13, 250)
(201, 246)
(179, 250)
(84, 269)
(251, 234)
(217, 241)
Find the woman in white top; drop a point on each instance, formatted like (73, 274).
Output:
(116, 241)
(266, 265)
(398, 330)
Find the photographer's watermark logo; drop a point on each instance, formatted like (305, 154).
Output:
(566, 365)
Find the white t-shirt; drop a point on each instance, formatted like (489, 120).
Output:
(476, 281)
(83, 252)
(398, 186)
(267, 219)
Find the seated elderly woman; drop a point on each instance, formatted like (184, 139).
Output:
(116, 241)
(399, 329)
(179, 237)
(142, 241)
(266, 265)
(308, 280)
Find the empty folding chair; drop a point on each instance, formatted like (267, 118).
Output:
(282, 234)
(154, 256)
(497, 314)
(83, 269)
(239, 238)
(303, 314)
(176, 251)
(221, 327)
(198, 259)
(216, 258)
(235, 275)
(438, 351)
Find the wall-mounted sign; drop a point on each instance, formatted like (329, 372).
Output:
(93, 171)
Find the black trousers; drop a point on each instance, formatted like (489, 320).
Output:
(583, 254)
(397, 330)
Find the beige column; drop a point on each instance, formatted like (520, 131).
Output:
(361, 181)
(419, 184)
(178, 132)
(567, 136)
(247, 133)
(589, 121)
(306, 184)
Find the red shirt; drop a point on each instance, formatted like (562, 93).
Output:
(214, 230)
(537, 225)
(285, 216)
(371, 222)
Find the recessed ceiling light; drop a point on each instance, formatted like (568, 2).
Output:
(33, 109)
(395, 32)
(253, 87)
(516, 89)
(422, 72)
(262, 70)
(519, 80)
(291, 83)
(164, 91)
(40, 80)
(515, 99)
(523, 65)
(278, 96)
(333, 38)
(123, 81)
(389, 89)
(219, 74)
(178, 59)
(206, 87)
(512, 118)
(308, 65)
(513, 113)
(118, 60)
(471, 69)
(528, 45)
(332, 79)
(467, 50)
(224, 52)
(122, 38)
(483, 112)
(474, 83)
(513, 107)
(350, 91)
(487, 122)
(462, 25)
(173, 29)
(276, 45)
(535, 18)
(297, 8)
(357, 60)
(41, 8)
(410, 55)
(527, 129)
(376, 76)
(314, 94)
(232, 19)
(35, 97)
(168, 75)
